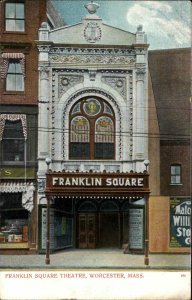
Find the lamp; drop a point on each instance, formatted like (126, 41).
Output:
(48, 162)
(146, 163)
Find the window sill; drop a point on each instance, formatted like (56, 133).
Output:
(14, 93)
(15, 32)
(176, 184)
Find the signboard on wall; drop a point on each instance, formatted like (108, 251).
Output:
(44, 228)
(17, 173)
(136, 228)
(180, 222)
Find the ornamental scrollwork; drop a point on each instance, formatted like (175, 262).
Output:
(93, 59)
(118, 83)
(66, 82)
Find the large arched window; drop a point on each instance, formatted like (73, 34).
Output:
(92, 130)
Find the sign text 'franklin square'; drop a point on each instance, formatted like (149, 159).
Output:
(85, 181)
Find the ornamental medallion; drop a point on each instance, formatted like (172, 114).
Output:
(92, 32)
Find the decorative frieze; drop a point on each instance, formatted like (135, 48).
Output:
(93, 59)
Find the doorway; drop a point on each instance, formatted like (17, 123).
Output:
(109, 230)
(87, 230)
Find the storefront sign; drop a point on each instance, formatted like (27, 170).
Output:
(65, 182)
(180, 222)
(85, 181)
(17, 173)
(136, 228)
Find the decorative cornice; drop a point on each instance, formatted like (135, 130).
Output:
(44, 48)
(92, 51)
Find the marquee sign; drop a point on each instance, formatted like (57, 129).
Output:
(74, 183)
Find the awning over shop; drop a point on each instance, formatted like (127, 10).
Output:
(27, 190)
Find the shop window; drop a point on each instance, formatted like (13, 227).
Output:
(175, 174)
(92, 129)
(13, 219)
(15, 16)
(13, 142)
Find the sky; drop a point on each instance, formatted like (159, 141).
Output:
(166, 23)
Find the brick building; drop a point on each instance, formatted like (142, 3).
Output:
(19, 24)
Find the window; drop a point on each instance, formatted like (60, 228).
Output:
(92, 127)
(175, 174)
(13, 219)
(13, 142)
(14, 17)
(14, 79)
(13, 71)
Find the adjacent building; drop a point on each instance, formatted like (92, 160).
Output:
(19, 24)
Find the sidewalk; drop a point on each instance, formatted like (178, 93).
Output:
(96, 259)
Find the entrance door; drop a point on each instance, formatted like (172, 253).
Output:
(87, 231)
(109, 230)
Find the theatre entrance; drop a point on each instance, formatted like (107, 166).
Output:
(98, 230)
(98, 224)
(109, 230)
(87, 231)
(108, 210)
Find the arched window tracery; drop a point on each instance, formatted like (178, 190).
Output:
(92, 130)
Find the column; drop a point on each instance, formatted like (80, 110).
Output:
(140, 116)
(43, 122)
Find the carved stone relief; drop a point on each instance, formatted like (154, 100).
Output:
(93, 59)
(118, 83)
(140, 73)
(67, 81)
(92, 32)
(41, 185)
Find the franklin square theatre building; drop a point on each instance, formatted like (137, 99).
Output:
(93, 138)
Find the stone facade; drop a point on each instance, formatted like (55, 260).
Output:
(73, 70)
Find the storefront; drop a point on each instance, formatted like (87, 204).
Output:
(17, 203)
(95, 210)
